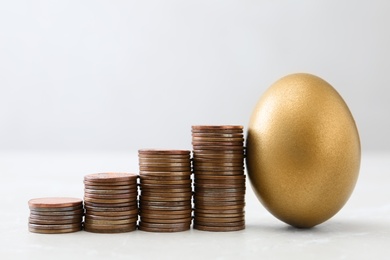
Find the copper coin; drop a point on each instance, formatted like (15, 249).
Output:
(60, 226)
(160, 216)
(110, 205)
(219, 157)
(164, 186)
(163, 152)
(212, 203)
(110, 228)
(112, 196)
(113, 213)
(219, 190)
(213, 173)
(164, 225)
(220, 152)
(218, 229)
(97, 217)
(166, 174)
(220, 224)
(220, 144)
(226, 185)
(151, 207)
(188, 188)
(164, 182)
(59, 217)
(111, 209)
(167, 221)
(219, 198)
(54, 222)
(205, 138)
(90, 221)
(217, 127)
(165, 169)
(165, 203)
(110, 187)
(206, 207)
(237, 148)
(166, 194)
(110, 201)
(57, 203)
(144, 212)
(219, 211)
(115, 183)
(163, 230)
(218, 164)
(238, 134)
(213, 215)
(236, 160)
(150, 198)
(165, 178)
(111, 177)
(53, 231)
(217, 168)
(110, 192)
(166, 161)
(221, 177)
(57, 213)
(164, 165)
(200, 219)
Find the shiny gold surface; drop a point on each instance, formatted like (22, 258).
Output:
(303, 150)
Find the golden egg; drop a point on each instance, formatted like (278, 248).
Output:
(303, 150)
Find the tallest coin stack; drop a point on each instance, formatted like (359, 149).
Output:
(218, 166)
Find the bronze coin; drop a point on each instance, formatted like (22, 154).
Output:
(110, 187)
(220, 224)
(131, 212)
(200, 219)
(198, 164)
(220, 152)
(172, 190)
(217, 199)
(165, 203)
(219, 211)
(217, 148)
(97, 217)
(112, 192)
(112, 196)
(164, 186)
(163, 230)
(166, 161)
(219, 157)
(58, 217)
(206, 207)
(91, 221)
(159, 216)
(166, 174)
(205, 159)
(150, 198)
(226, 185)
(218, 229)
(213, 203)
(220, 177)
(57, 213)
(66, 209)
(165, 169)
(54, 222)
(167, 221)
(151, 207)
(165, 178)
(223, 139)
(110, 201)
(109, 228)
(165, 165)
(162, 152)
(111, 209)
(211, 173)
(214, 215)
(144, 212)
(164, 225)
(166, 194)
(57, 203)
(217, 127)
(111, 177)
(53, 231)
(217, 135)
(51, 226)
(221, 144)
(164, 182)
(217, 169)
(116, 183)
(219, 190)
(110, 205)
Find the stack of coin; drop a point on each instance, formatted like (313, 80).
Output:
(166, 190)
(111, 204)
(218, 166)
(55, 215)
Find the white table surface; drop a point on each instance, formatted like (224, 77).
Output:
(361, 230)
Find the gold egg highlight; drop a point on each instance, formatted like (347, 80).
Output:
(303, 150)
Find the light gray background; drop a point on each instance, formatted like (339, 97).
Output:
(91, 75)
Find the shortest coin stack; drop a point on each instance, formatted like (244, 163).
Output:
(110, 202)
(166, 190)
(55, 215)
